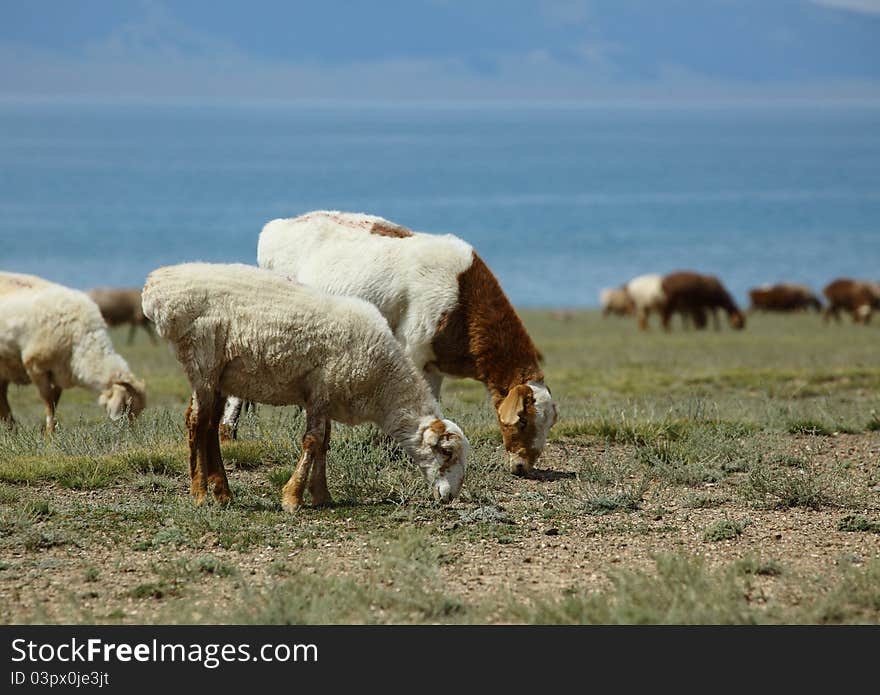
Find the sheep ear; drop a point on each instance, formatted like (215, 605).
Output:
(431, 435)
(512, 405)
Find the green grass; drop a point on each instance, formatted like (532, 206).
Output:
(668, 447)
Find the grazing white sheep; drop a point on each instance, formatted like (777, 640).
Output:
(239, 330)
(646, 292)
(443, 303)
(54, 337)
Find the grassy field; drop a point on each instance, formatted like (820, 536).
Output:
(712, 477)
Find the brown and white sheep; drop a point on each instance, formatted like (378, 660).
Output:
(783, 297)
(859, 297)
(694, 295)
(646, 294)
(442, 302)
(122, 305)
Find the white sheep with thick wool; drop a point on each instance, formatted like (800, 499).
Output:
(246, 332)
(55, 338)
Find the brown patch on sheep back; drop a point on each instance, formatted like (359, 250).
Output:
(383, 228)
(483, 338)
(376, 226)
(11, 285)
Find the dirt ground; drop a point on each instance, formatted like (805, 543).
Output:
(514, 549)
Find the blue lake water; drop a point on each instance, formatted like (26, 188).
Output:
(560, 202)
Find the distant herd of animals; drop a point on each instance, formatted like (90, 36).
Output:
(351, 317)
(695, 296)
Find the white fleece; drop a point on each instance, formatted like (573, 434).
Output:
(413, 280)
(251, 333)
(49, 328)
(646, 291)
(58, 328)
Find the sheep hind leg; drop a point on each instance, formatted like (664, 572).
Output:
(5, 410)
(231, 415)
(312, 446)
(318, 478)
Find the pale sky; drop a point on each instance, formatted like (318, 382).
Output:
(442, 50)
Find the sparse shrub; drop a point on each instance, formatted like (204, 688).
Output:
(681, 591)
(811, 427)
(764, 568)
(855, 598)
(628, 501)
(704, 501)
(211, 565)
(859, 523)
(780, 489)
(725, 529)
(150, 590)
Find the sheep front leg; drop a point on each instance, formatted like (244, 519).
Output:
(318, 478)
(43, 382)
(5, 410)
(216, 472)
(313, 444)
(435, 381)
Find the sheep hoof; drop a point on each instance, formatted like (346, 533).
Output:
(198, 498)
(322, 500)
(291, 504)
(222, 497)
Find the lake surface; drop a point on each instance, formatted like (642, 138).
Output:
(560, 202)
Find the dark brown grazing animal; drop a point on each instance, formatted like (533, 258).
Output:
(783, 297)
(696, 295)
(858, 297)
(120, 306)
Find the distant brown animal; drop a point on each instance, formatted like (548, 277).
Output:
(121, 306)
(858, 297)
(694, 295)
(783, 297)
